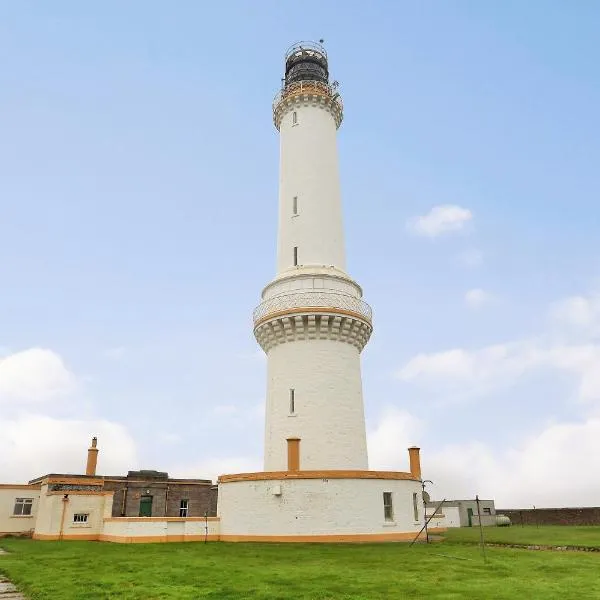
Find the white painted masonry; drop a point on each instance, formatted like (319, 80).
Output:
(57, 510)
(315, 507)
(157, 529)
(309, 172)
(328, 416)
(9, 522)
(451, 517)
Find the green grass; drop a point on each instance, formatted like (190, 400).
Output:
(550, 535)
(84, 570)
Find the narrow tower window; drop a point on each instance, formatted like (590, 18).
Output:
(415, 506)
(388, 509)
(295, 256)
(294, 118)
(292, 401)
(295, 205)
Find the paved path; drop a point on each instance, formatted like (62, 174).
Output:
(7, 590)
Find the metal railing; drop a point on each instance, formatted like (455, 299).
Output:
(312, 300)
(305, 46)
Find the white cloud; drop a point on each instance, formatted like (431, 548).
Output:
(478, 371)
(578, 312)
(388, 443)
(441, 219)
(554, 466)
(477, 297)
(36, 375)
(33, 445)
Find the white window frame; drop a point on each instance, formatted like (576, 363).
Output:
(294, 118)
(20, 505)
(388, 507)
(81, 518)
(184, 508)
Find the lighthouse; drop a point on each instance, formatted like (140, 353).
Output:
(312, 323)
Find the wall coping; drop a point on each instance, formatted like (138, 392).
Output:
(158, 519)
(87, 480)
(79, 493)
(20, 486)
(335, 474)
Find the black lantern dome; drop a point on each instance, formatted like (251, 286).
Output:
(306, 61)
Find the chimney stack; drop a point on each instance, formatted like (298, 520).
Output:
(92, 458)
(415, 462)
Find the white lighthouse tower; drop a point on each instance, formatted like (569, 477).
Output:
(313, 324)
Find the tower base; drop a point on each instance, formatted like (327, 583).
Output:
(319, 506)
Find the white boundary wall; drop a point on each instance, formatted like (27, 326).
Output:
(156, 529)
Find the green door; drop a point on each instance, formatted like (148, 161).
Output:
(470, 516)
(146, 506)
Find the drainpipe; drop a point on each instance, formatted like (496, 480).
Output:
(166, 499)
(124, 503)
(65, 501)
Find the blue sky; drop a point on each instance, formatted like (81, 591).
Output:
(138, 198)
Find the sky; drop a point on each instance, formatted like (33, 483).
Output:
(138, 215)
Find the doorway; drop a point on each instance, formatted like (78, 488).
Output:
(470, 516)
(146, 506)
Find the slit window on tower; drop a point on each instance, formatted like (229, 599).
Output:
(416, 506)
(292, 401)
(295, 205)
(388, 508)
(295, 256)
(294, 118)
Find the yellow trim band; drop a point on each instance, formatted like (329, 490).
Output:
(336, 474)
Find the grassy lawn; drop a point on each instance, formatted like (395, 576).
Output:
(551, 535)
(82, 570)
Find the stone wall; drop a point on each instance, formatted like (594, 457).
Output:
(166, 497)
(553, 516)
